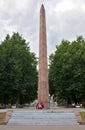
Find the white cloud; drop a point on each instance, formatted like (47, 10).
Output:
(64, 18)
(64, 6)
(83, 7)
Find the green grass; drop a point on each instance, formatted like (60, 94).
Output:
(82, 116)
(2, 116)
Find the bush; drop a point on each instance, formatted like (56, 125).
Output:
(62, 102)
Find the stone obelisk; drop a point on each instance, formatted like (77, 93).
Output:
(43, 87)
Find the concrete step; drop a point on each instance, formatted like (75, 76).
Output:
(43, 117)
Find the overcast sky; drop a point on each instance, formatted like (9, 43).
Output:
(65, 20)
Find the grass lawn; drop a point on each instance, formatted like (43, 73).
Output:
(82, 116)
(2, 116)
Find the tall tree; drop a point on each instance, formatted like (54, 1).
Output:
(18, 73)
(67, 71)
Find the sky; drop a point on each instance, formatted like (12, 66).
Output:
(65, 19)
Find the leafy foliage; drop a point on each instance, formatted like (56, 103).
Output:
(67, 71)
(18, 74)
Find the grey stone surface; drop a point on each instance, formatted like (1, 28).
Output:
(3, 110)
(43, 118)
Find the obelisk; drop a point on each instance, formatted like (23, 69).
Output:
(43, 87)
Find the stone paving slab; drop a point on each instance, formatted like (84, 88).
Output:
(3, 110)
(43, 117)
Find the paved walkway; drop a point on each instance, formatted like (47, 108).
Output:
(42, 118)
(78, 127)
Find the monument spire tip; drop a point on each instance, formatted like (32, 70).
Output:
(42, 6)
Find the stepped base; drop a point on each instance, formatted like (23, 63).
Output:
(43, 117)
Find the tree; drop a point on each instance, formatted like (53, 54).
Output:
(67, 71)
(18, 73)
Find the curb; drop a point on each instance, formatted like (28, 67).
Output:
(7, 117)
(78, 116)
